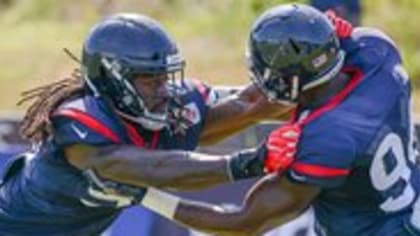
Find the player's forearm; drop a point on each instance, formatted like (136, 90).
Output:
(266, 206)
(163, 169)
(220, 220)
(226, 118)
(239, 111)
(198, 215)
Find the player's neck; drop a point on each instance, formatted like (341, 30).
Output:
(319, 96)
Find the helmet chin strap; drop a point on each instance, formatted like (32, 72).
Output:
(151, 124)
(149, 121)
(294, 88)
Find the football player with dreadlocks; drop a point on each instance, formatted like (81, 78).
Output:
(355, 161)
(128, 101)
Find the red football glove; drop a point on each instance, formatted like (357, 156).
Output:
(343, 28)
(281, 148)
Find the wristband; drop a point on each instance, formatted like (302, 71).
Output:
(161, 202)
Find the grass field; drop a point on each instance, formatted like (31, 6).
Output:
(211, 35)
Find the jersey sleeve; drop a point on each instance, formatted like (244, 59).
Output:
(72, 126)
(323, 159)
(199, 99)
(208, 94)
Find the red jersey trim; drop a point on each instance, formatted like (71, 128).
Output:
(337, 99)
(319, 171)
(90, 122)
(137, 139)
(134, 136)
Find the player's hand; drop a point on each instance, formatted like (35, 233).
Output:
(260, 108)
(281, 147)
(343, 28)
(103, 192)
(247, 163)
(275, 154)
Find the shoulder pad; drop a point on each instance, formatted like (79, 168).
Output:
(370, 48)
(367, 33)
(86, 120)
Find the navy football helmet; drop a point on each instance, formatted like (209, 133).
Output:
(292, 48)
(118, 50)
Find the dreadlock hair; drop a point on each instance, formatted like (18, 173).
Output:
(36, 124)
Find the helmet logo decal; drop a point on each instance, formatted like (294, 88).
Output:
(319, 61)
(330, 73)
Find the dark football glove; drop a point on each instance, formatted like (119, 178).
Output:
(247, 163)
(275, 154)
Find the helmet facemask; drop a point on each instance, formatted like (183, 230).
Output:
(130, 102)
(275, 87)
(293, 48)
(286, 89)
(123, 47)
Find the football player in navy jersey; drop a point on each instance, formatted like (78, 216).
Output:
(355, 161)
(128, 100)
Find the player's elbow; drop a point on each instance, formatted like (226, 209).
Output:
(265, 218)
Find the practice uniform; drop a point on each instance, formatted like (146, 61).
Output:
(359, 147)
(42, 194)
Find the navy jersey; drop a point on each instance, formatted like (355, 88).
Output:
(42, 194)
(359, 147)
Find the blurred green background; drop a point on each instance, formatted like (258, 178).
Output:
(211, 35)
